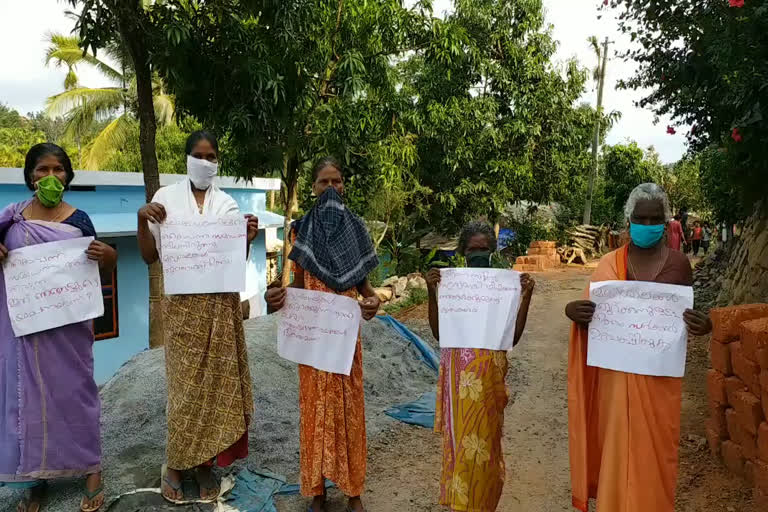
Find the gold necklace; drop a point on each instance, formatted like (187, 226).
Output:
(663, 261)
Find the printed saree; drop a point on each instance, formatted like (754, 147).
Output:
(332, 420)
(48, 398)
(471, 397)
(624, 429)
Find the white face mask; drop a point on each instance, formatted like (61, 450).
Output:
(201, 172)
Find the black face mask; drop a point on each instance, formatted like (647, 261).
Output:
(479, 259)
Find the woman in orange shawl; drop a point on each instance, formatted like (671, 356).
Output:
(624, 428)
(332, 253)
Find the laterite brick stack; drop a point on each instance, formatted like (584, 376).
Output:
(541, 256)
(737, 385)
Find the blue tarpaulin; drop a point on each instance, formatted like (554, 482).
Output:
(427, 353)
(254, 491)
(420, 412)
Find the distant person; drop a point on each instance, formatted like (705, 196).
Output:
(473, 461)
(696, 237)
(675, 234)
(706, 237)
(686, 234)
(624, 428)
(332, 253)
(210, 401)
(49, 400)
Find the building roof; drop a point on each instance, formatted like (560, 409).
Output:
(15, 176)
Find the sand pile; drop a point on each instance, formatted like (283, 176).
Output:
(133, 409)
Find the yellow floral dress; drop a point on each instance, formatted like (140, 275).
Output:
(471, 397)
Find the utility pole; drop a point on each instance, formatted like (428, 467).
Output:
(596, 142)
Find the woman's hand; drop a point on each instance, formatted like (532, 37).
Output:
(433, 279)
(698, 323)
(3, 253)
(527, 284)
(370, 306)
(275, 298)
(580, 311)
(152, 212)
(253, 227)
(101, 253)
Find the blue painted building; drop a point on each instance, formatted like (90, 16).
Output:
(112, 200)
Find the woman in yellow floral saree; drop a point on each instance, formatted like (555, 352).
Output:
(472, 395)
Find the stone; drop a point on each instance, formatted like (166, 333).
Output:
(417, 282)
(720, 355)
(733, 457)
(748, 371)
(754, 336)
(384, 294)
(716, 387)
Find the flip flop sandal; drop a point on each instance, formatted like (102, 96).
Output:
(89, 495)
(173, 486)
(39, 504)
(207, 483)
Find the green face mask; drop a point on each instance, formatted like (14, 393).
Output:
(49, 191)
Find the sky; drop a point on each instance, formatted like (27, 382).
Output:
(26, 82)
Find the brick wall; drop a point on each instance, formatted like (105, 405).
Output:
(737, 386)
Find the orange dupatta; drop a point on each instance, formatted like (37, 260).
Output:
(624, 428)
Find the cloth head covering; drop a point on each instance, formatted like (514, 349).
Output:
(333, 244)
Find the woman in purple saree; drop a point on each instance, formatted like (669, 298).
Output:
(48, 399)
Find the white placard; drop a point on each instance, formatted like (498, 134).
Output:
(478, 307)
(52, 284)
(319, 329)
(203, 254)
(638, 327)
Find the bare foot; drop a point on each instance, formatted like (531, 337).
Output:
(94, 495)
(356, 504)
(33, 499)
(171, 485)
(318, 503)
(209, 489)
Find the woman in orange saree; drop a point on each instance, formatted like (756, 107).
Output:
(332, 253)
(472, 395)
(624, 428)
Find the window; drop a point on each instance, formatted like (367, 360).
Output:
(107, 326)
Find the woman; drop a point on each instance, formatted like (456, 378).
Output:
(332, 253)
(471, 423)
(696, 236)
(706, 237)
(624, 428)
(675, 233)
(46, 433)
(209, 384)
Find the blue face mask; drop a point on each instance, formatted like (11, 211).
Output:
(645, 236)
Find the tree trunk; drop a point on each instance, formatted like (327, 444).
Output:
(271, 200)
(132, 36)
(290, 201)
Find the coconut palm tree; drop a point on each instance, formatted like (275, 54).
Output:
(83, 107)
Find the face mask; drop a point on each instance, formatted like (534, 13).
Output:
(201, 172)
(49, 191)
(645, 236)
(479, 259)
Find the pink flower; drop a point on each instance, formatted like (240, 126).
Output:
(735, 134)
(671, 130)
(605, 2)
(736, 3)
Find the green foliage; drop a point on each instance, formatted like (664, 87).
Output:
(10, 118)
(703, 63)
(497, 121)
(625, 168)
(169, 143)
(415, 297)
(14, 144)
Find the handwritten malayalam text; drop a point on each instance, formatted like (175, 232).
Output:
(50, 285)
(638, 327)
(478, 307)
(319, 330)
(203, 254)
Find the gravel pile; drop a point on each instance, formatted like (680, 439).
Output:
(133, 410)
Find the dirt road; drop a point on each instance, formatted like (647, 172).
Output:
(404, 467)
